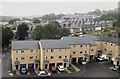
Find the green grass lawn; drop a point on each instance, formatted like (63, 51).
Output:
(71, 69)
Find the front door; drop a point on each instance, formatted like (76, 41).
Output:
(91, 57)
(36, 65)
(64, 65)
(16, 67)
(73, 60)
(59, 64)
(85, 59)
(46, 66)
(31, 66)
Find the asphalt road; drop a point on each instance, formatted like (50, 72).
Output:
(97, 70)
(90, 70)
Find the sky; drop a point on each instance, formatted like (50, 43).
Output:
(41, 8)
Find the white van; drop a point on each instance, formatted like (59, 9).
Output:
(103, 56)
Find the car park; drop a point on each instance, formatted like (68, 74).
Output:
(61, 68)
(23, 71)
(43, 74)
(53, 69)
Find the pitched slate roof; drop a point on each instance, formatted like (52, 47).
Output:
(84, 39)
(25, 45)
(66, 41)
(109, 39)
(54, 44)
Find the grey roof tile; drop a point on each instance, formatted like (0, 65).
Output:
(54, 44)
(25, 45)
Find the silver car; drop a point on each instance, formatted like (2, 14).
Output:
(44, 74)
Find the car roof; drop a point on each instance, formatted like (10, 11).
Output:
(60, 66)
(42, 71)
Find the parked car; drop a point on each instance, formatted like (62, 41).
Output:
(61, 68)
(84, 62)
(43, 74)
(53, 69)
(100, 59)
(80, 61)
(115, 68)
(23, 71)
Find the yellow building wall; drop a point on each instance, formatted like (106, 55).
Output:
(27, 54)
(55, 54)
(94, 47)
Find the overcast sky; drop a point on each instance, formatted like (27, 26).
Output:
(41, 8)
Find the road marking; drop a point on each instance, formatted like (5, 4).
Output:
(84, 70)
(108, 70)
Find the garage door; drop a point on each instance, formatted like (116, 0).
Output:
(51, 64)
(73, 60)
(22, 65)
(59, 64)
(31, 66)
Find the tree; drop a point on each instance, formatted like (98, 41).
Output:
(22, 31)
(50, 31)
(36, 21)
(13, 20)
(7, 35)
(50, 16)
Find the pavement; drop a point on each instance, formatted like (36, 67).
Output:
(6, 63)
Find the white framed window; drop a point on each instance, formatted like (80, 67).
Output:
(36, 57)
(81, 52)
(74, 52)
(60, 50)
(36, 50)
(81, 45)
(22, 51)
(47, 50)
(52, 57)
(16, 51)
(92, 49)
(65, 56)
(31, 57)
(46, 57)
(31, 50)
(52, 50)
(65, 49)
(17, 58)
(111, 45)
(60, 57)
(22, 58)
(74, 45)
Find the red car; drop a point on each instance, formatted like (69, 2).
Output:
(53, 69)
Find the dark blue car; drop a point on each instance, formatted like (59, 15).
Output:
(23, 71)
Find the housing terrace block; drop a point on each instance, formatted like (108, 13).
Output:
(43, 54)
(77, 23)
